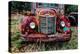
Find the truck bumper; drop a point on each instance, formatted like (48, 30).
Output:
(47, 38)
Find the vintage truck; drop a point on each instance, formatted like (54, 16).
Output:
(46, 25)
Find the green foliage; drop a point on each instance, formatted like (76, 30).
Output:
(71, 8)
(19, 6)
(15, 36)
(18, 43)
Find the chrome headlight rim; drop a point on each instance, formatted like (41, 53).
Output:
(32, 25)
(62, 23)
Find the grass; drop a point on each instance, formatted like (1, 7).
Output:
(17, 45)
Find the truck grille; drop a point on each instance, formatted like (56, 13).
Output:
(47, 24)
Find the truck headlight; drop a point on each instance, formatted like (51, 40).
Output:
(62, 23)
(32, 25)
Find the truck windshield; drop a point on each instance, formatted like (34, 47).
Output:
(46, 5)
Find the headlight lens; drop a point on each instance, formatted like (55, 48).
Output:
(32, 25)
(62, 23)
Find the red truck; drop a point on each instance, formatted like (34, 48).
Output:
(45, 26)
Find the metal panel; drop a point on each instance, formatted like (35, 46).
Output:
(47, 24)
